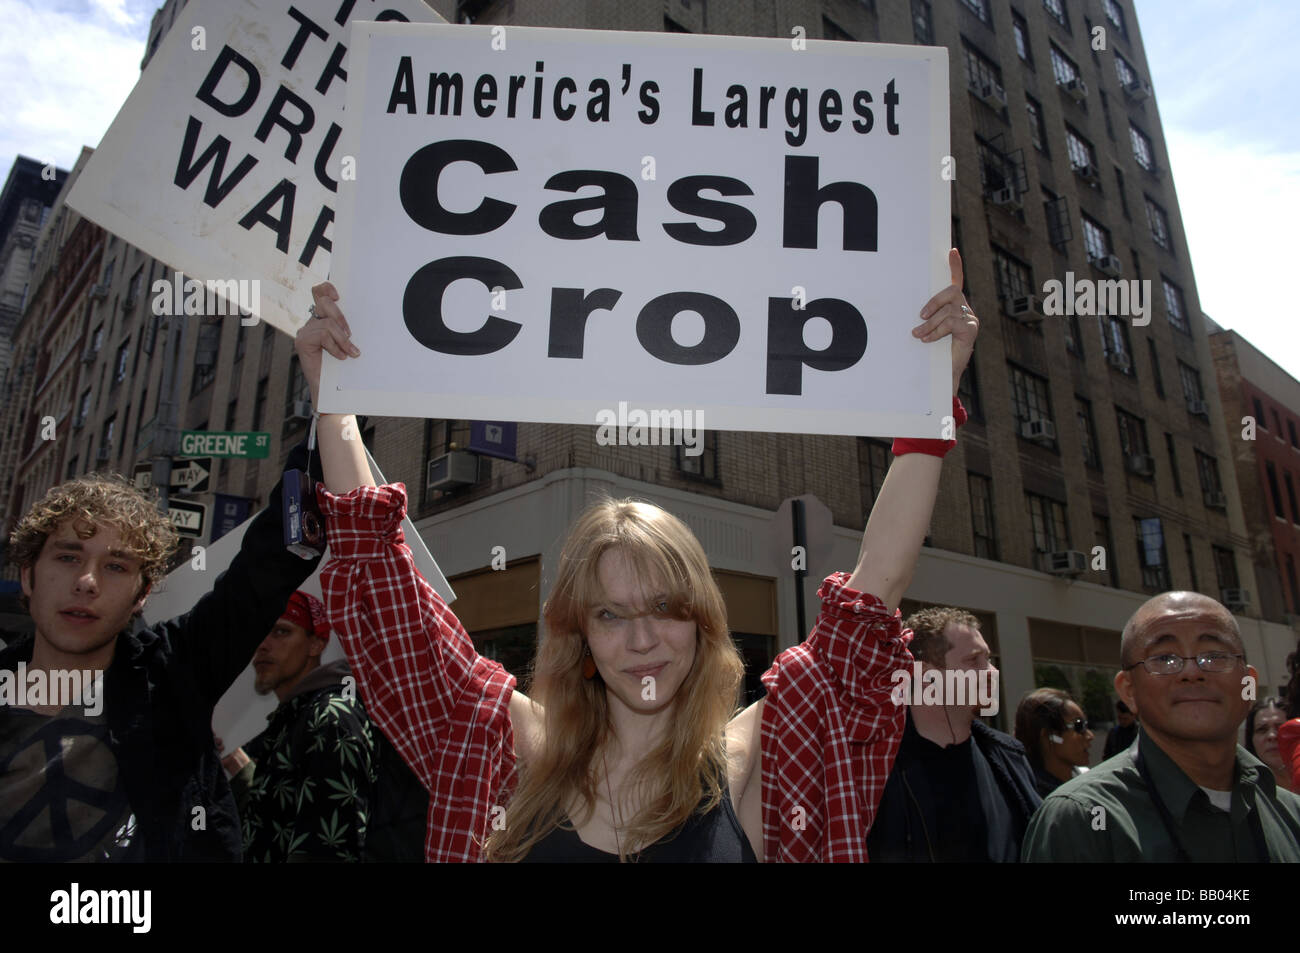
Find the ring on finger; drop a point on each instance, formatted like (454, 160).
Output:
(965, 309)
(311, 312)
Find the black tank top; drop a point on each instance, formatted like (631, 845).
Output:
(712, 838)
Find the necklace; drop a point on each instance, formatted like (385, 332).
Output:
(616, 820)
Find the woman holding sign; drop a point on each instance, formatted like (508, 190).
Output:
(630, 747)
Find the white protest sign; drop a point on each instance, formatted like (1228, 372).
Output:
(549, 224)
(241, 712)
(225, 158)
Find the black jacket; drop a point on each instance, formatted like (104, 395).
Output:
(164, 681)
(898, 833)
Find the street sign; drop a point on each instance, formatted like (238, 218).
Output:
(188, 518)
(254, 446)
(188, 475)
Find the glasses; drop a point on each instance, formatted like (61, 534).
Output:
(1079, 725)
(1170, 664)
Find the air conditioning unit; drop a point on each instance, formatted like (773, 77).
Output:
(1108, 264)
(1138, 91)
(1087, 172)
(1005, 198)
(1077, 89)
(1198, 408)
(1235, 599)
(1036, 428)
(1120, 361)
(458, 468)
(1067, 562)
(300, 410)
(1024, 307)
(1143, 464)
(99, 291)
(1216, 500)
(993, 94)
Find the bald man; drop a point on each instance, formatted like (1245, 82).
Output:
(1184, 791)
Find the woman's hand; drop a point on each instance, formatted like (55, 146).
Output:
(327, 331)
(947, 313)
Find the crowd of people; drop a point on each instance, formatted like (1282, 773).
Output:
(628, 745)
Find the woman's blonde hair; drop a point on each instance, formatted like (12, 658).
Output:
(689, 764)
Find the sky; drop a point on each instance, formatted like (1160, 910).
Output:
(1224, 73)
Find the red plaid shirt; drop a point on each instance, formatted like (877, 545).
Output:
(829, 732)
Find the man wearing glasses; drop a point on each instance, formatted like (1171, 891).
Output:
(1185, 791)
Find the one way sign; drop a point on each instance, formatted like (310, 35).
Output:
(189, 475)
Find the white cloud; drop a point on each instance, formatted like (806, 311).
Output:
(65, 75)
(1239, 205)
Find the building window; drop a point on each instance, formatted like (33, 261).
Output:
(980, 70)
(1191, 561)
(123, 358)
(1128, 76)
(1063, 68)
(1259, 414)
(968, 392)
(1056, 10)
(1057, 212)
(106, 436)
(232, 409)
(1142, 150)
(71, 472)
(995, 170)
(1155, 370)
(922, 23)
(1132, 434)
(1175, 306)
(1272, 487)
(1151, 554)
(1173, 463)
(1096, 239)
(1290, 496)
(1115, 14)
(981, 512)
(1091, 451)
(1225, 568)
(873, 464)
(1037, 131)
(672, 26)
(1011, 275)
(1030, 399)
(1123, 198)
(1082, 155)
(1159, 223)
(1073, 336)
(703, 465)
(1277, 424)
(1021, 30)
(205, 354)
(1115, 343)
(97, 339)
(259, 404)
(83, 409)
(1191, 381)
(1047, 519)
(980, 8)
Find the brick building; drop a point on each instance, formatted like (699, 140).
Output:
(1261, 410)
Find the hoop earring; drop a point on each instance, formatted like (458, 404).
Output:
(588, 665)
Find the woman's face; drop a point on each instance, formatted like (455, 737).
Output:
(1267, 722)
(1074, 744)
(642, 654)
